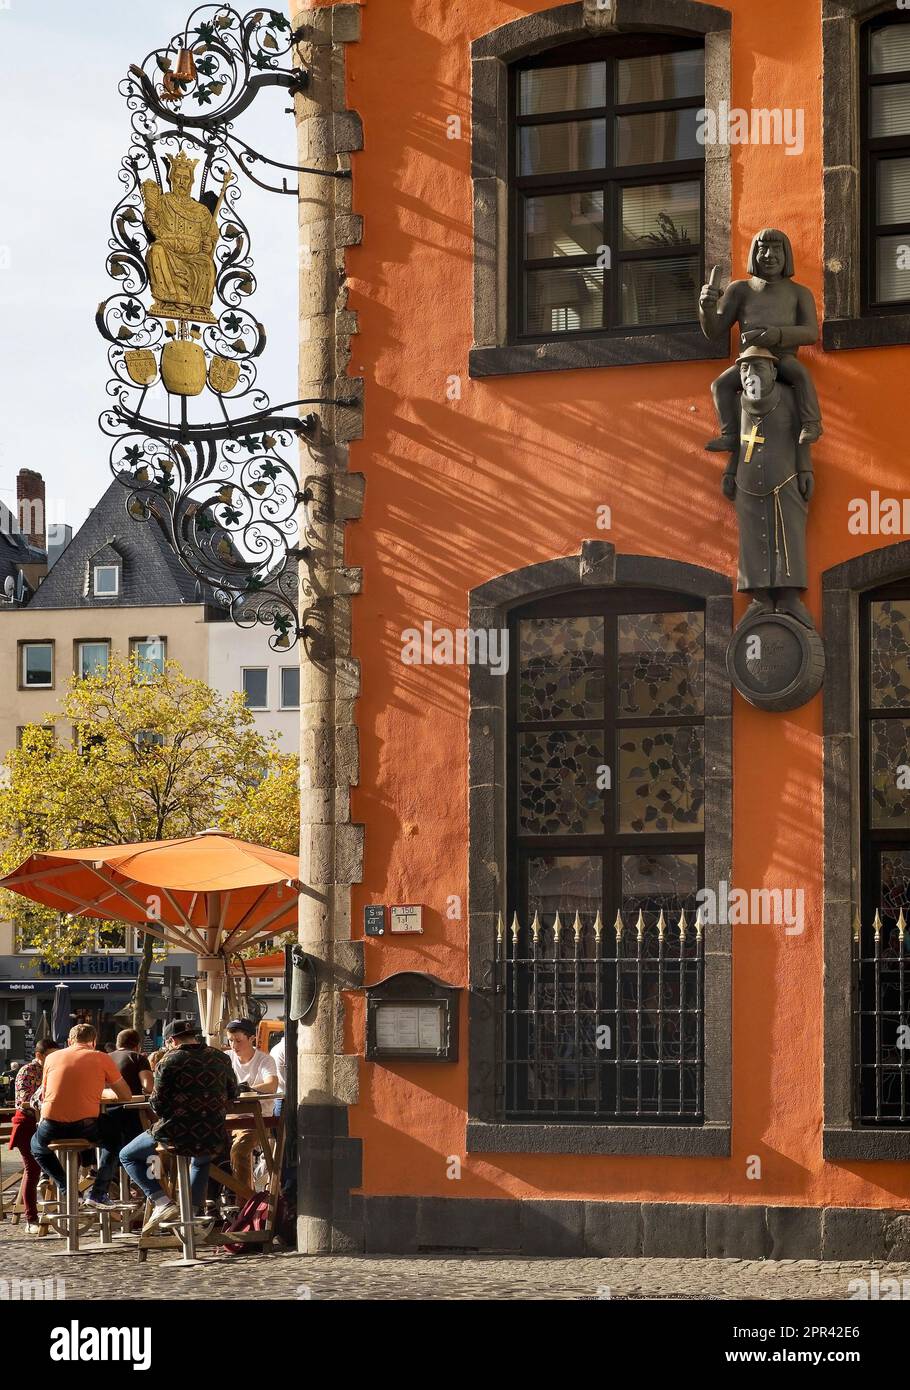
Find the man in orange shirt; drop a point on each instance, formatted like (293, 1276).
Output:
(73, 1090)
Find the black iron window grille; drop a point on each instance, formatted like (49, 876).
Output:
(607, 187)
(885, 132)
(605, 1023)
(881, 986)
(606, 817)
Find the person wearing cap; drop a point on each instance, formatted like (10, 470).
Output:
(254, 1070)
(194, 1086)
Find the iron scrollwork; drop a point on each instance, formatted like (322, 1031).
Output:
(226, 499)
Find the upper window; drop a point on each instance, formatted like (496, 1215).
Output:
(149, 654)
(106, 582)
(290, 687)
(606, 817)
(607, 177)
(37, 665)
(256, 686)
(885, 125)
(92, 659)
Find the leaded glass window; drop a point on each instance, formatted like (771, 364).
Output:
(607, 186)
(606, 814)
(882, 983)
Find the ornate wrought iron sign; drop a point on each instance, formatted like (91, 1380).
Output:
(214, 478)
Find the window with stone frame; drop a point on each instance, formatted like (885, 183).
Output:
(881, 981)
(885, 134)
(606, 187)
(606, 794)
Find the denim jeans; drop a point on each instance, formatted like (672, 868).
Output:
(135, 1158)
(102, 1132)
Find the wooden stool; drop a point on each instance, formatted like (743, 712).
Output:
(69, 1150)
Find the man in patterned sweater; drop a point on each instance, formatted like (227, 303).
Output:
(194, 1086)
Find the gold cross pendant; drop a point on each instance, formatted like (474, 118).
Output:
(750, 440)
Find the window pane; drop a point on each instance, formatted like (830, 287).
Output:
(889, 642)
(574, 88)
(660, 76)
(565, 883)
(661, 214)
(92, 659)
(892, 268)
(895, 878)
(564, 224)
(661, 780)
(562, 668)
(661, 663)
(562, 301)
(893, 191)
(558, 777)
(549, 149)
(256, 687)
(37, 664)
(106, 579)
(657, 137)
(659, 882)
(290, 687)
(889, 49)
(663, 291)
(889, 751)
(150, 657)
(890, 110)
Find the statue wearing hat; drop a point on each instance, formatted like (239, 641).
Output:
(769, 477)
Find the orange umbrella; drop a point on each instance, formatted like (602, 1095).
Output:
(210, 894)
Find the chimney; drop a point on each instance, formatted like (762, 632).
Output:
(30, 507)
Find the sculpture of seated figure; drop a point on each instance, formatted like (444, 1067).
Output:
(773, 312)
(180, 259)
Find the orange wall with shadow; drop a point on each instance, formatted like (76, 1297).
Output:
(512, 473)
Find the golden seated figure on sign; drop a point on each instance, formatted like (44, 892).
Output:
(180, 260)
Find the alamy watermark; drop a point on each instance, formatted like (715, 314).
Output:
(734, 125)
(758, 907)
(444, 646)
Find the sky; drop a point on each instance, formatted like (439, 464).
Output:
(63, 132)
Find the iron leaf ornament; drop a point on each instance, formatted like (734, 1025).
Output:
(212, 473)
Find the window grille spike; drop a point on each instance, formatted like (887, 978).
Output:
(901, 924)
(877, 925)
(598, 925)
(557, 927)
(500, 927)
(640, 925)
(682, 925)
(617, 925)
(535, 926)
(515, 927)
(576, 927)
(661, 925)
(698, 925)
(857, 926)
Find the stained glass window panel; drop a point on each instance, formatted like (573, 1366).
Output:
(565, 883)
(558, 782)
(889, 754)
(895, 880)
(659, 883)
(562, 668)
(661, 780)
(889, 667)
(661, 663)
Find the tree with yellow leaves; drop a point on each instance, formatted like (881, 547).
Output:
(135, 755)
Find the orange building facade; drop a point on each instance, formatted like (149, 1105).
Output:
(540, 208)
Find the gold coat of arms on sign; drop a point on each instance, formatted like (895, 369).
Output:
(141, 365)
(181, 256)
(224, 374)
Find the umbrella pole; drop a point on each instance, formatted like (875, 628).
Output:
(210, 994)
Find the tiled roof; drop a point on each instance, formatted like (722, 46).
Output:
(151, 574)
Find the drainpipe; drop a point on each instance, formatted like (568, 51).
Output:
(330, 846)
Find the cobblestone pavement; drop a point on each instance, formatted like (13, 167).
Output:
(285, 1275)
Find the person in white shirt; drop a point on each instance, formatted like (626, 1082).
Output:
(255, 1071)
(278, 1054)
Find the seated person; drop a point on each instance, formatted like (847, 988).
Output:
(254, 1071)
(194, 1086)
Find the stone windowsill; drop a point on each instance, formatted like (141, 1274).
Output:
(859, 1145)
(873, 331)
(671, 1141)
(686, 344)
